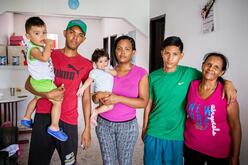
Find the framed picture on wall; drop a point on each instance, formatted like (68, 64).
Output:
(207, 14)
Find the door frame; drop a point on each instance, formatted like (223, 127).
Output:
(153, 48)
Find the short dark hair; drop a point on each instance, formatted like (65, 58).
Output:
(173, 41)
(98, 53)
(224, 59)
(33, 21)
(125, 37)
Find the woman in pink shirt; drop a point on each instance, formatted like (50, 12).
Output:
(212, 130)
(117, 129)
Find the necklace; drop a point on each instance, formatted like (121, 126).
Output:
(207, 88)
(206, 91)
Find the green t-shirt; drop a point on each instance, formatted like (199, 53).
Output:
(168, 92)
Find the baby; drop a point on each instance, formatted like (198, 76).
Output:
(103, 79)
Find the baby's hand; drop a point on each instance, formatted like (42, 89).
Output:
(49, 43)
(80, 92)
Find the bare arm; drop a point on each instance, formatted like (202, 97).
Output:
(55, 94)
(86, 136)
(146, 117)
(45, 55)
(139, 102)
(86, 84)
(98, 96)
(235, 126)
(229, 91)
(111, 71)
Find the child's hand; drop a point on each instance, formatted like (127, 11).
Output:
(80, 92)
(49, 43)
(56, 94)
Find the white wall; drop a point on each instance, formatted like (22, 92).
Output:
(230, 37)
(7, 29)
(108, 8)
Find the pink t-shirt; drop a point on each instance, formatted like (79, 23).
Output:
(128, 86)
(206, 129)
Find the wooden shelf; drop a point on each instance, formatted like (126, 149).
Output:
(18, 67)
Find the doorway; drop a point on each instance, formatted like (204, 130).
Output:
(105, 44)
(112, 51)
(157, 30)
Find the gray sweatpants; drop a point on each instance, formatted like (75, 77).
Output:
(117, 140)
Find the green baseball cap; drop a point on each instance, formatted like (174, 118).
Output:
(79, 23)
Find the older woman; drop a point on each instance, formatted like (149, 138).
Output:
(212, 130)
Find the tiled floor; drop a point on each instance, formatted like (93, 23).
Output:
(92, 156)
